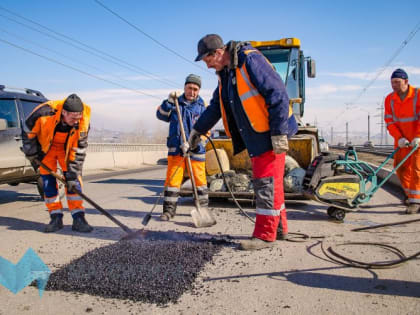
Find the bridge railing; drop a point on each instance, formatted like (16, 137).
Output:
(125, 147)
(123, 155)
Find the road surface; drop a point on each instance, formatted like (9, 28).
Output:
(292, 278)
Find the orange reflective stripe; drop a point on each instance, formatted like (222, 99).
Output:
(222, 110)
(252, 101)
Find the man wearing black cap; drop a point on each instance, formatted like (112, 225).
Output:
(402, 112)
(58, 132)
(252, 101)
(191, 106)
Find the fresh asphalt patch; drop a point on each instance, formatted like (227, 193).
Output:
(152, 270)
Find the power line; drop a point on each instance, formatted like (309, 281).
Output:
(62, 55)
(77, 70)
(149, 36)
(386, 65)
(108, 58)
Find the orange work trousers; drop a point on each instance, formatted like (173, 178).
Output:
(55, 155)
(409, 173)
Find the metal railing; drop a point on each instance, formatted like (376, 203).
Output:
(383, 150)
(125, 147)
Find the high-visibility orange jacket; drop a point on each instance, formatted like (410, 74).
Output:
(402, 117)
(402, 120)
(42, 123)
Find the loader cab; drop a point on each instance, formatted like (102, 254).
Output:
(290, 63)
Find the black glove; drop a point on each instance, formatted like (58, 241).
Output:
(72, 181)
(194, 140)
(32, 158)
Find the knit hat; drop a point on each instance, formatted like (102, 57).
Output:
(399, 74)
(193, 78)
(208, 44)
(73, 103)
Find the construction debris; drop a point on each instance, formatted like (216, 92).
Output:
(241, 180)
(139, 270)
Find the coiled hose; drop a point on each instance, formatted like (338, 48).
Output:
(330, 252)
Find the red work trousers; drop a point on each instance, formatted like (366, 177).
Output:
(268, 171)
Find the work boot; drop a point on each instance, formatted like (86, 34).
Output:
(165, 216)
(282, 237)
(80, 224)
(413, 208)
(55, 224)
(255, 244)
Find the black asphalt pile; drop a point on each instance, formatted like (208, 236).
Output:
(151, 271)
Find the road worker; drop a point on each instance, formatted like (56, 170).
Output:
(191, 106)
(251, 99)
(58, 133)
(402, 114)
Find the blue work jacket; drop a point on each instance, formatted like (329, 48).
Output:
(269, 85)
(190, 112)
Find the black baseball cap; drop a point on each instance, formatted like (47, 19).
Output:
(208, 44)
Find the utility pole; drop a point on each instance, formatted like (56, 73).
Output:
(368, 127)
(347, 133)
(332, 133)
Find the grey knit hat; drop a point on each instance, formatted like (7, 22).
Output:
(73, 103)
(193, 78)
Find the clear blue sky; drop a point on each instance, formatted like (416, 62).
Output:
(350, 41)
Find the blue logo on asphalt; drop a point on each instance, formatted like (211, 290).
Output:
(29, 268)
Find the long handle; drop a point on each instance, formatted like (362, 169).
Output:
(94, 204)
(184, 139)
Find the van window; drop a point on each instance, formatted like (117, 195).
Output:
(28, 107)
(8, 111)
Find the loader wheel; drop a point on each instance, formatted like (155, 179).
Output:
(336, 213)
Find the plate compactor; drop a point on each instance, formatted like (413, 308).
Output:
(344, 182)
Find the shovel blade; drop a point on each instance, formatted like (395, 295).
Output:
(146, 219)
(201, 217)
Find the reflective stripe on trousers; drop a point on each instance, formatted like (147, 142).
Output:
(52, 199)
(175, 176)
(268, 171)
(409, 173)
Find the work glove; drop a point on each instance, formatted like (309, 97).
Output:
(172, 97)
(72, 182)
(280, 144)
(415, 141)
(194, 140)
(403, 142)
(185, 147)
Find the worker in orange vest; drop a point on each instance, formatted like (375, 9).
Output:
(252, 101)
(402, 111)
(58, 132)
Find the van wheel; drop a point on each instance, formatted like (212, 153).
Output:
(40, 187)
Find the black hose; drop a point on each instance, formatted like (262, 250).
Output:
(332, 254)
(226, 183)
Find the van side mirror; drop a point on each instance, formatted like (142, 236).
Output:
(310, 65)
(3, 124)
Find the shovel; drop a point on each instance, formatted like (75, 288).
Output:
(201, 216)
(131, 233)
